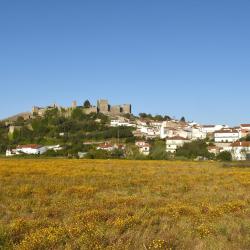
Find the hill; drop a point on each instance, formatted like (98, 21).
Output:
(56, 128)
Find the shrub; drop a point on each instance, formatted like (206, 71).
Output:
(224, 156)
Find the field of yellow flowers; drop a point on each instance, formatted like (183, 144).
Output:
(120, 204)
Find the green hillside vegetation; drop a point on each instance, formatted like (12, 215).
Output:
(71, 131)
(56, 128)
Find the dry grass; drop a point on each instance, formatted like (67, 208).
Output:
(86, 204)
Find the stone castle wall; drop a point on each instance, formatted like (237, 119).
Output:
(102, 107)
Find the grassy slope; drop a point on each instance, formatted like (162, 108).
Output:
(84, 204)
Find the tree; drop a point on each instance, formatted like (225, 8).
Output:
(224, 156)
(194, 149)
(182, 119)
(247, 138)
(158, 151)
(145, 116)
(77, 114)
(159, 118)
(87, 104)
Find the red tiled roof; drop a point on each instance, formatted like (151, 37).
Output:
(226, 131)
(241, 144)
(105, 146)
(177, 138)
(245, 125)
(208, 126)
(33, 146)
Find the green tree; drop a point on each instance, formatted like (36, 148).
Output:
(183, 119)
(224, 156)
(87, 104)
(77, 114)
(158, 151)
(194, 149)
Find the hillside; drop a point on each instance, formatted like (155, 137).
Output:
(55, 128)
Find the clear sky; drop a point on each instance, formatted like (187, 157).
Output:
(175, 57)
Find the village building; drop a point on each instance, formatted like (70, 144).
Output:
(210, 129)
(173, 143)
(197, 133)
(54, 147)
(245, 127)
(137, 133)
(121, 123)
(214, 149)
(106, 146)
(144, 147)
(226, 135)
(243, 133)
(240, 151)
(30, 149)
(171, 132)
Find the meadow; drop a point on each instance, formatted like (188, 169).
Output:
(121, 204)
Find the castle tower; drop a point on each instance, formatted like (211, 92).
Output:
(103, 106)
(126, 108)
(74, 104)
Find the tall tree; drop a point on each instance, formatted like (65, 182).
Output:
(183, 119)
(87, 104)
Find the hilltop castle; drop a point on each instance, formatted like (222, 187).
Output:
(102, 107)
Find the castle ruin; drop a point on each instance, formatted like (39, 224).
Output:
(102, 106)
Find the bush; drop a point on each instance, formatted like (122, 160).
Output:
(158, 151)
(224, 156)
(193, 150)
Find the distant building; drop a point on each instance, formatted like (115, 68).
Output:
(240, 150)
(226, 135)
(173, 143)
(245, 127)
(104, 107)
(214, 149)
(144, 147)
(121, 123)
(210, 129)
(110, 147)
(30, 149)
(106, 146)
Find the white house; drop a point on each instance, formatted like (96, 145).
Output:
(144, 147)
(245, 126)
(167, 132)
(30, 149)
(149, 132)
(109, 147)
(226, 135)
(243, 133)
(166, 126)
(210, 129)
(214, 149)
(172, 143)
(11, 152)
(120, 123)
(240, 150)
(171, 132)
(54, 147)
(106, 146)
(197, 133)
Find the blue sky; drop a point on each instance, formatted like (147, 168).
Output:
(180, 58)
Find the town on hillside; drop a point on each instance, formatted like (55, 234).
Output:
(104, 131)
